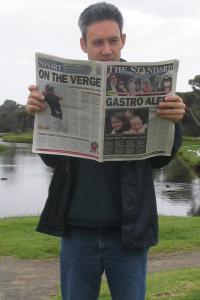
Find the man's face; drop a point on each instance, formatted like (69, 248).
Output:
(103, 41)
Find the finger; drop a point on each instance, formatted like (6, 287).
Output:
(174, 118)
(32, 109)
(172, 105)
(171, 114)
(32, 87)
(165, 112)
(36, 101)
(36, 94)
(34, 104)
(175, 98)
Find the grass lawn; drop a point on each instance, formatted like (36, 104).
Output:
(182, 284)
(178, 234)
(18, 237)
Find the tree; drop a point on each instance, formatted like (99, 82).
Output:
(195, 83)
(14, 118)
(191, 120)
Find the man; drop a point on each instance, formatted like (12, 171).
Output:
(105, 212)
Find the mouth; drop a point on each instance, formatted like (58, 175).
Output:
(107, 59)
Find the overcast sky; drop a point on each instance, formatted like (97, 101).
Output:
(156, 30)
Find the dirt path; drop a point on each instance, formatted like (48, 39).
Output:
(28, 279)
(39, 279)
(174, 261)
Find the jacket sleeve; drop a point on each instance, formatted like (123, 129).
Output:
(161, 161)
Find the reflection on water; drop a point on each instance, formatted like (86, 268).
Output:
(178, 190)
(25, 190)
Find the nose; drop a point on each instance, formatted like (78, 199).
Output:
(106, 50)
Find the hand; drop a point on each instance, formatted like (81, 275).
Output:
(172, 108)
(35, 102)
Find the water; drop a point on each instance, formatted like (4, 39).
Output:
(25, 190)
(177, 190)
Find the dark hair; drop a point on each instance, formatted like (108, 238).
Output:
(98, 12)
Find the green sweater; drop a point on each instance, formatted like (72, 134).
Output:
(96, 201)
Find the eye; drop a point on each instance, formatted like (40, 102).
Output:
(114, 41)
(97, 42)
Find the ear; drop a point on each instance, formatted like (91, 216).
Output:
(83, 44)
(123, 40)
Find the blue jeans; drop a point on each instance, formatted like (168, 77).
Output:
(87, 253)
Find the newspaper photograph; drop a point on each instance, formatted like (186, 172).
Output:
(103, 110)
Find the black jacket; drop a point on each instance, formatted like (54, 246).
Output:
(139, 220)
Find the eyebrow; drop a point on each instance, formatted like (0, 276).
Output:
(108, 38)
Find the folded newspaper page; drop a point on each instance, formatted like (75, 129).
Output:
(103, 110)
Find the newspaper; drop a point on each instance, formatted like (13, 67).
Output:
(103, 110)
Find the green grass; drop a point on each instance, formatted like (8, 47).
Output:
(18, 237)
(2, 148)
(182, 284)
(18, 138)
(178, 234)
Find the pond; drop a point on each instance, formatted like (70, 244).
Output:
(178, 190)
(25, 180)
(23, 189)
